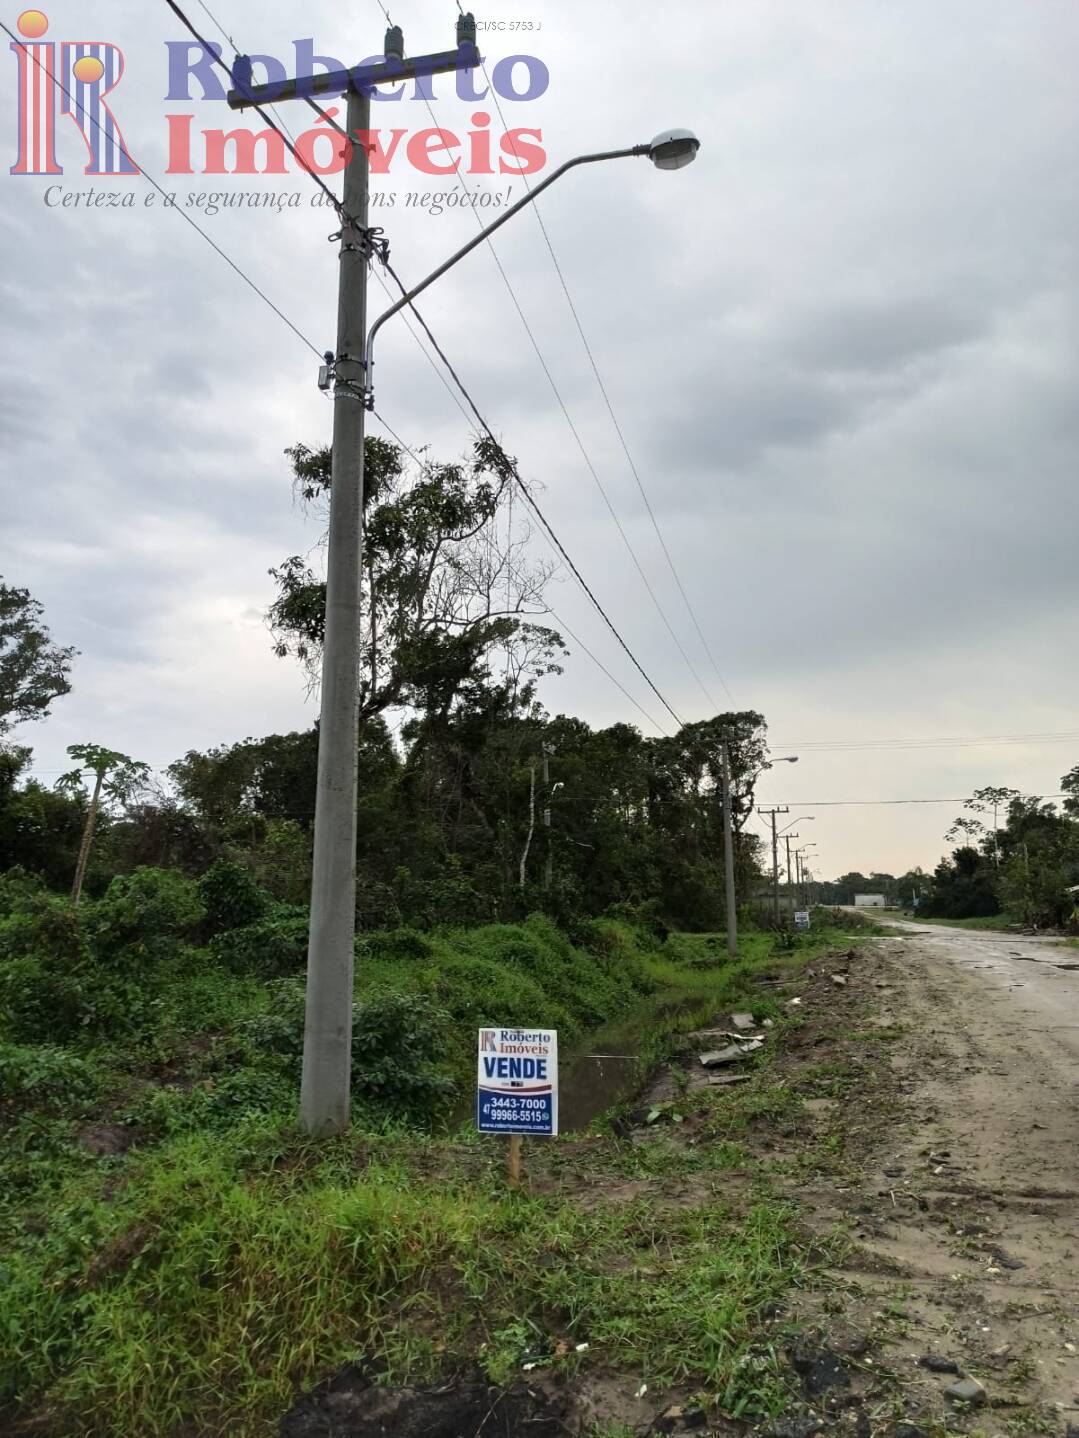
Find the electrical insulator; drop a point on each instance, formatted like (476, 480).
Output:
(243, 74)
(466, 29)
(394, 48)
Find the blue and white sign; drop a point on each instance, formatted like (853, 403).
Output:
(517, 1081)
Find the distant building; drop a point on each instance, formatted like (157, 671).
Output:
(870, 901)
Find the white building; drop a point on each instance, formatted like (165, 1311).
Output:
(869, 901)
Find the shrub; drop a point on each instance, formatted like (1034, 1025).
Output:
(230, 897)
(273, 947)
(399, 1043)
(217, 1105)
(447, 898)
(395, 946)
(142, 917)
(396, 1040)
(17, 887)
(44, 1076)
(50, 989)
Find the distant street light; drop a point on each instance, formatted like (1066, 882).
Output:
(805, 819)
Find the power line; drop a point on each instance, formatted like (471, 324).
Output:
(176, 208)
(217, 60)
(511, 468)
(836, 803)
(845, 745)
(425, 352)
(603, 391)
(600, 665)
(511, 465)
(574, 430)
(236, 51)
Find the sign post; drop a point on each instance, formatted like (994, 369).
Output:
(517, 1087)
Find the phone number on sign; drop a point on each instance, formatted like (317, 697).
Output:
(514, 1105)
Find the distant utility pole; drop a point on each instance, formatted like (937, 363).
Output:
(728, 855)
(548, 864)
(327, 1048)
(531, 822)
(771, 814)
(787, 840)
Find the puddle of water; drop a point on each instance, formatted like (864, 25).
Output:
(595, 1083)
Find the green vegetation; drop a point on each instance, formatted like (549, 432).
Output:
(193, 1281)
(998, 922)
(1017, 863)
(176, 1258)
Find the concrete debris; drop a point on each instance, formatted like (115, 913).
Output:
(797, 1426)
(742, 1021)
(967, 1390)
(840, 980)
(724, 1080)
(819, 1369)
(731, 1054)
(936, 1364)
(1004, 1260)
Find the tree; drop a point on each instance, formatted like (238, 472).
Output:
(442, 592)
(1070, 786)
(33, 671)
(964, 886)
(116, 778)
(982, 801)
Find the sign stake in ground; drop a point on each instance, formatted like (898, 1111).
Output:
(513, 1160)
(517, 1087)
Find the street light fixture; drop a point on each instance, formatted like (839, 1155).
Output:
(805, 819)
(670, 150)
(673, 149)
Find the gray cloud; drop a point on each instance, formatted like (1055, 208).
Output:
(841, 346)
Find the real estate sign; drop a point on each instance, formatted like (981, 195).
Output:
(517, 1081)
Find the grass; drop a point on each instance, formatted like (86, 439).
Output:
(998, 922)
(196, 1283)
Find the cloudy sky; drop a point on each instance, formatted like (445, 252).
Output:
(842, 347)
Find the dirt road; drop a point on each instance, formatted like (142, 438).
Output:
(967, 1215)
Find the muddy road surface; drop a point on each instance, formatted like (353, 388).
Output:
(967, 1215)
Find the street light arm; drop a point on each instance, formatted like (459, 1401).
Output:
(484, 234)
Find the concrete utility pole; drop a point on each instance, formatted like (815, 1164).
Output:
(327, 1049)
(787, 840)
(728, 856)
(324, 1103)
(771, 813)
(798, 855)
(548, 860)
(522, 873)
